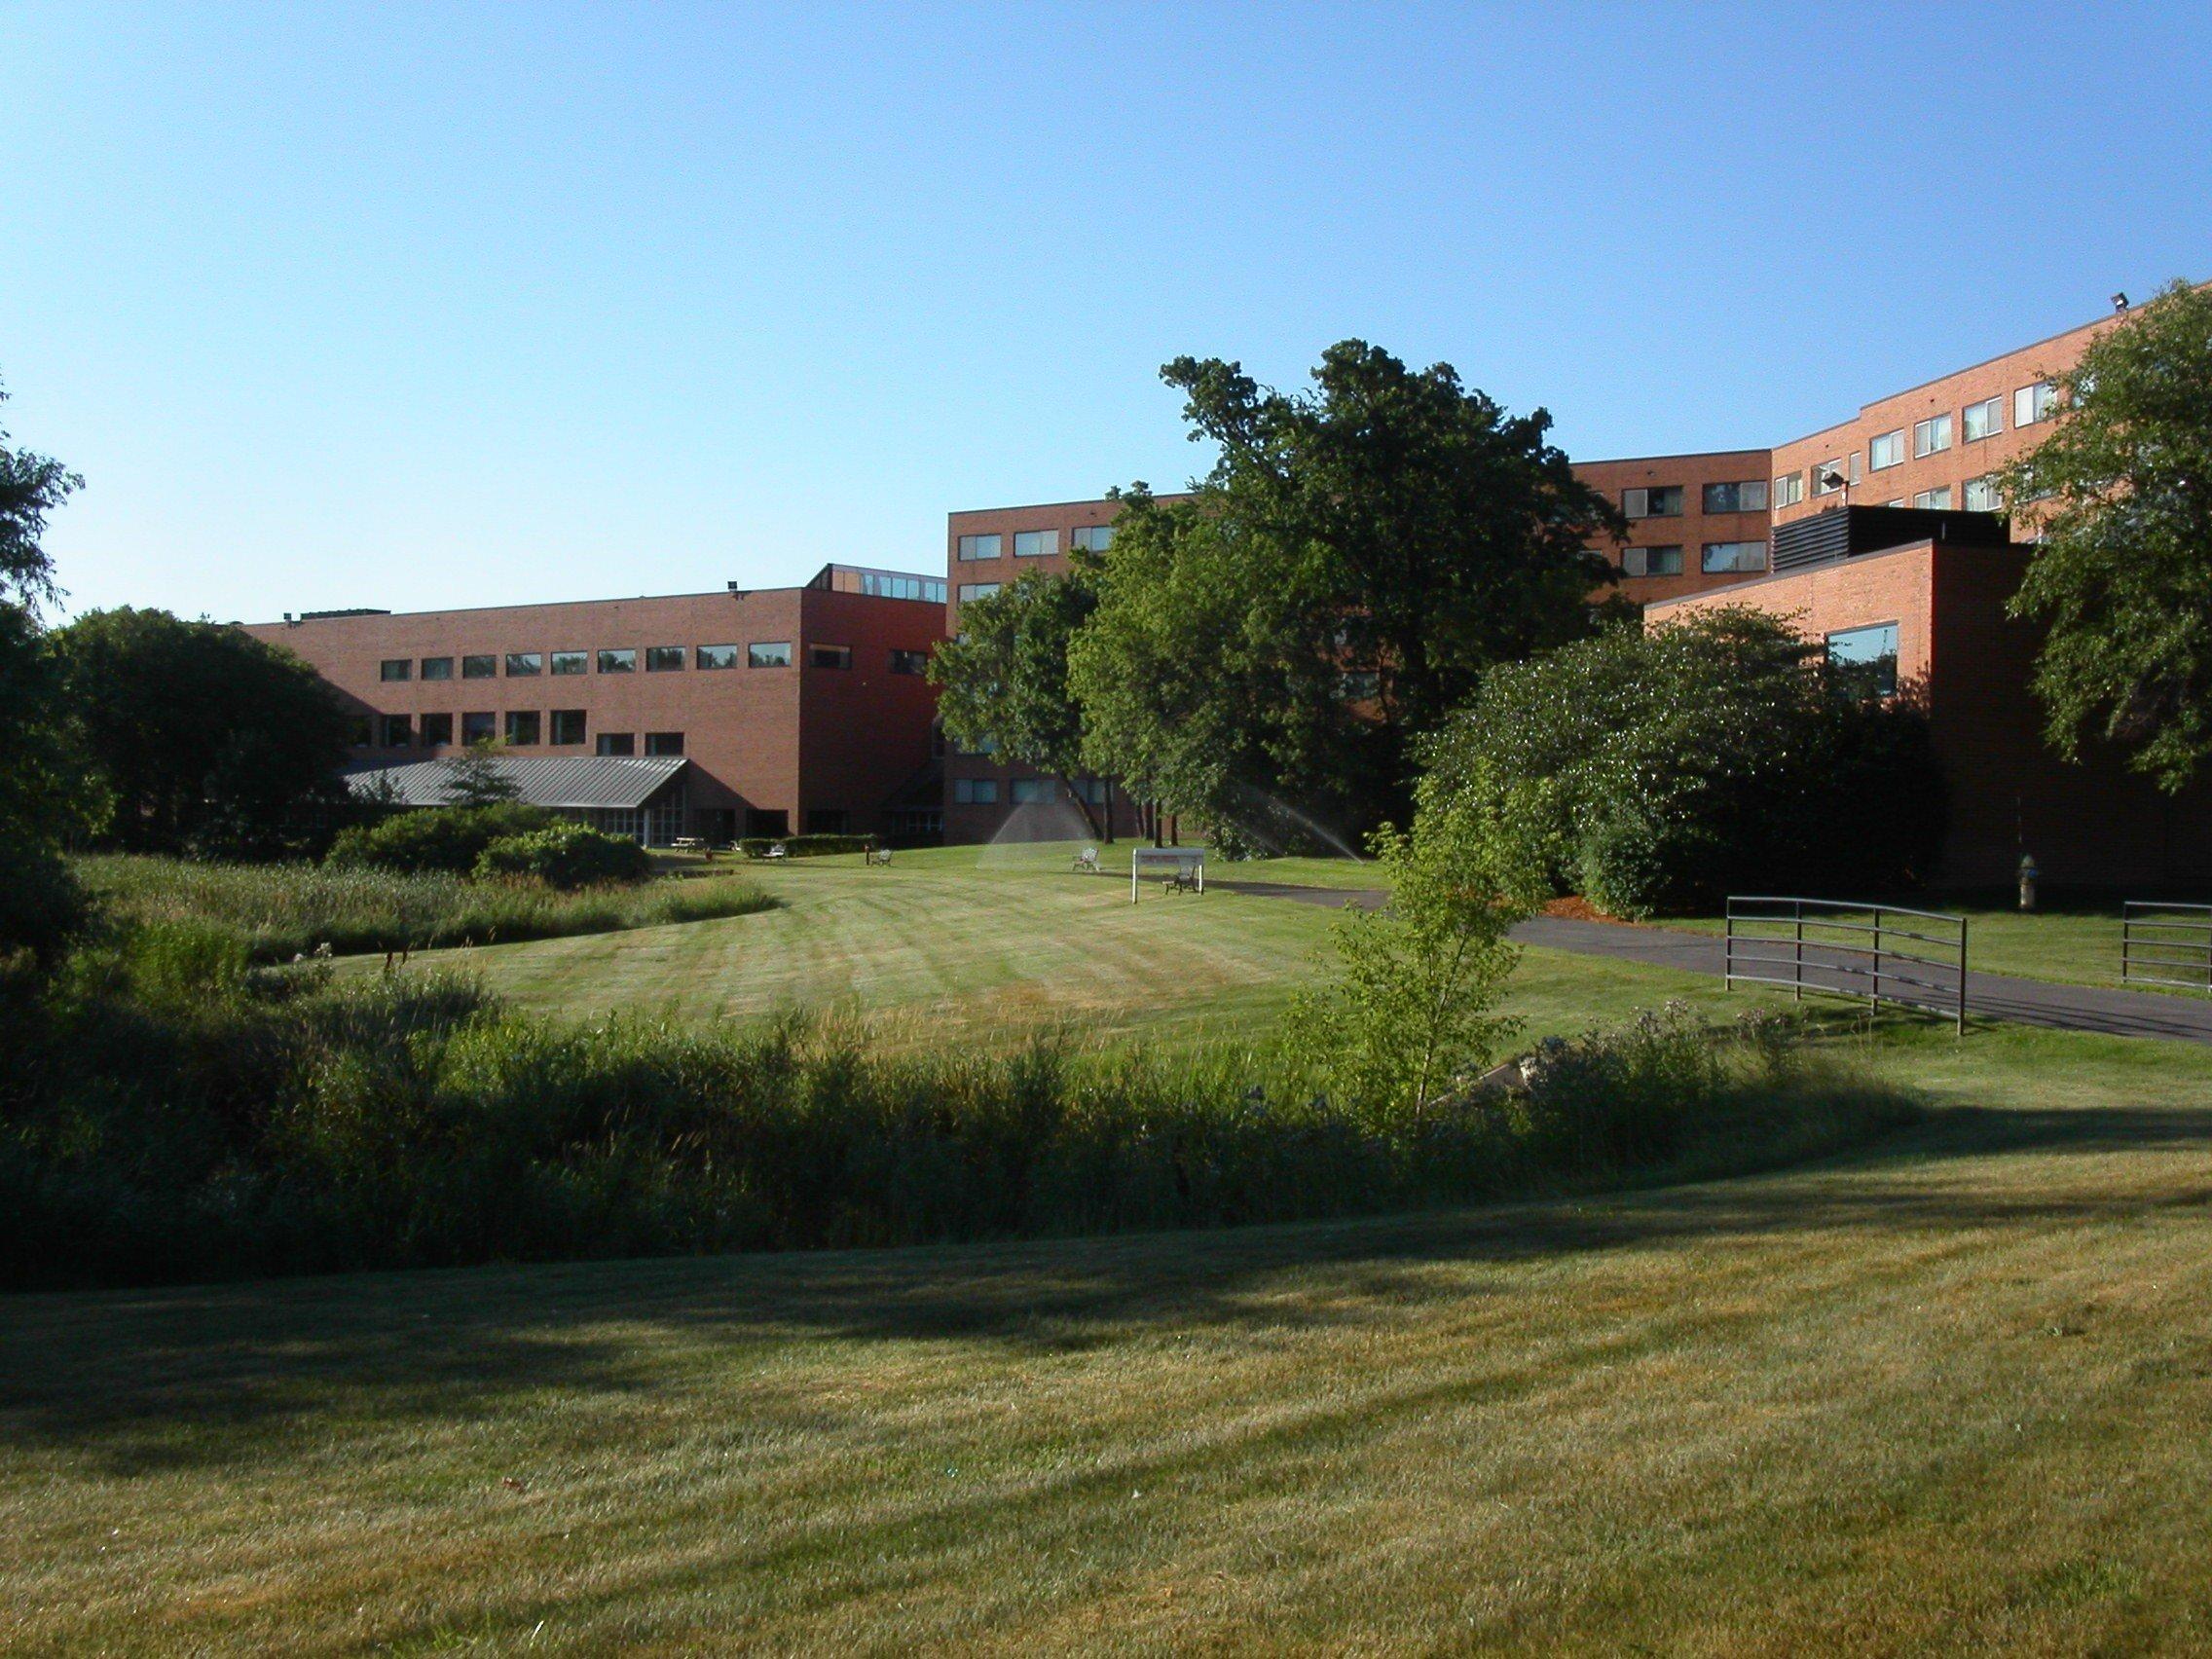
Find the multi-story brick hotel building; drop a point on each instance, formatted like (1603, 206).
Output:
(805, 709)
(791, 710)
(1703, 522)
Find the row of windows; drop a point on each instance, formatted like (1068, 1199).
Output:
(1023, 791)
(1036, 544)
(1665, 501)
(1982, 495)
(659, 659)
(1715, 558)
(522, 729)
(2031, 405)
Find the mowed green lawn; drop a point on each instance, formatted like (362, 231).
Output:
(992, 946)
(1948, 1393)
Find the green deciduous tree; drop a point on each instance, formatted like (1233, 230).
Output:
(207, 739)
(1003, 683)
(1411, 1014)
(1663, 770)
(1357, 558)
(2122, 493)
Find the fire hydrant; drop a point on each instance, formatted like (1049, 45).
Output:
(2027, 881)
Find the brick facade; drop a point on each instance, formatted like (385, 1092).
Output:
(2094, 825)
(772, 749)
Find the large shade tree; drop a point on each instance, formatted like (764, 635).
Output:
(2121, 496)
(1003, 685)
(45, 798)
(209, 739)
(1359, 555)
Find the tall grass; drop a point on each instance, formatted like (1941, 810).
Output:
(178, 1113)
(279, 911)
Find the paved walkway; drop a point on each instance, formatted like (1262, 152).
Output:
(1993, 996)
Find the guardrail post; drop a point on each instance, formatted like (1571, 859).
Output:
(1877, 959)
(1962, 977)
(1728, 948)
(1797, 973)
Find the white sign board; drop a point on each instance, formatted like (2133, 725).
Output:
(1189, 862)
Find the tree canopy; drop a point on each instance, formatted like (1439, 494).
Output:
(1663, 770)
(1003, 685)
(2122, 494)
(207, 739)
(1356, 559)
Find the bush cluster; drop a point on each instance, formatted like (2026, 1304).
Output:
(448, 838)
(804, 846)
(564, 856)
(172, 1111)
(278, 911)
(1659, 772)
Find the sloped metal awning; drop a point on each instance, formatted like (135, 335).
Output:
(539, 780)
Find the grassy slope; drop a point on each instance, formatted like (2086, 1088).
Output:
(968, 946)
(1948, 1393)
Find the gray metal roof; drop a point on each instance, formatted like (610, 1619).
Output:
(543, 779)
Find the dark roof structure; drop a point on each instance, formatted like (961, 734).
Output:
(540, 780)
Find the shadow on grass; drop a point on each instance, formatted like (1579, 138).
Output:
(234, 1374)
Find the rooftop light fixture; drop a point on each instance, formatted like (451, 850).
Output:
(2119, 301)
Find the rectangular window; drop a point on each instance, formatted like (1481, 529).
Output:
(909, 662)
(479, 727)
(396, 733)
(437, 731)
(1721, 557)
(568, 726)
(976, 791)
(1886, 451)
(1983, 494)
(826, 820)
(1092, 537)
(623, 661)
(522, 727)
(715, 656)
(829, 656)
(1935, 500)
(2033, 403)
(437, 668)
(1984, 419)
(1747, 497)
(663, 659)
(1028, 792)
(1092, 789)
(359, 730)
(521, 664)
(978, 547)
(989, 745)
(1358, 686)
(1789, 489)
(617, 743)
(973, 591)
(664, 743)
(481, 666)
(571, 662)
(1824, 473)
(1035, 544)
(395, 668)
(1852, 469)
(768, 653)
(1651, 561)
(1659, 501)
(1932, 435)
(1862, 662)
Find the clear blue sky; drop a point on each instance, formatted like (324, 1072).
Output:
(413, 306)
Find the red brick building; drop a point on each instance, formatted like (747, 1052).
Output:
(1926, 618)
(1698, 524)
(796, 710)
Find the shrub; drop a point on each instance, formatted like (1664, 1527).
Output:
(804, 846)
(439, 838)
(42, 906)
(564, 856)
(1660, 771)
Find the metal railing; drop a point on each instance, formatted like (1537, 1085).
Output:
(2166, 944)
(1878, 952)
